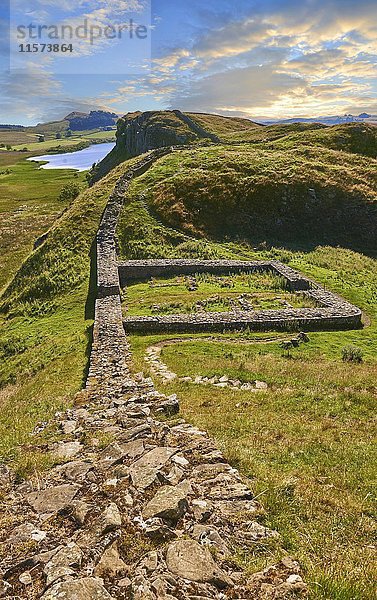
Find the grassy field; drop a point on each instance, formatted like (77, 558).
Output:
(28, 141)
(208, 293)
(28, 207)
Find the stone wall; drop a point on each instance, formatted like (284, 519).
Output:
(107, 268)
(306, 319)
(137, 270)
(137, 507)
(333, 312)
(198, 129)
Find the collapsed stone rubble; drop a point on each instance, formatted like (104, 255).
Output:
(159, 368)
(156, 513)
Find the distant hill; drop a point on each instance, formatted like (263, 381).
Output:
(326, 120)
(12, 127)
(94, 120)
(77, 121)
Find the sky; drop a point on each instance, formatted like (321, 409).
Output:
(263, 59)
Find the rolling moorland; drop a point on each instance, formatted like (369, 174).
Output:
(302, 194)
(75, 132)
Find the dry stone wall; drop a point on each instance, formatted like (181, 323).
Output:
(333, 312)
(198, 129)
(137, 507)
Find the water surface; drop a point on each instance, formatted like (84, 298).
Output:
(82, 160)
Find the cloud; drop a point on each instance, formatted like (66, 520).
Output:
(44, 100)
(238, 89)
(277, 58)
(303, 57)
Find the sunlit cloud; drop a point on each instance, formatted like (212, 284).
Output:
(268, 59)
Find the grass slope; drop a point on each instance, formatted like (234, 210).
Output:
(226, 128)
(28, 207)
(298, 195)
(46, 315)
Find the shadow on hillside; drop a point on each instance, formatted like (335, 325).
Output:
(90, 305)
(306, 244)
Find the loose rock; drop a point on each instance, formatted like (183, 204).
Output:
(87, 588)
(52, 499)
(190, 560)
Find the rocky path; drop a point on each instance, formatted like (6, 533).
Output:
(140, 505)
(155, 513)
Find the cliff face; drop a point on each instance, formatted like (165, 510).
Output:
(141, 132)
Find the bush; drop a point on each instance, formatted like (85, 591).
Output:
(352, 354)
(69, 192)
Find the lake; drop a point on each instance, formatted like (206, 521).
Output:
(81, 160)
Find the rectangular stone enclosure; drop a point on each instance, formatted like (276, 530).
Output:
(331, 312)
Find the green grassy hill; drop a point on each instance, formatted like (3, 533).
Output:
(226, 128)
(296, 193)
(305, 195)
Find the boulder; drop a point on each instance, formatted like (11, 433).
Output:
(169, 503)
(190, 560)
(63, 563)
(133, 449)
(24, 533)
(52, 499)
(254, 532)
(110, 564)
(144, 471)
(111, 519)
(87, 588)
(111, 455)
(68, 427)
(75, 470)
(80, 511)
(67, 449)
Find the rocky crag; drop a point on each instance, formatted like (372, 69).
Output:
(142, 132)
(139, 506)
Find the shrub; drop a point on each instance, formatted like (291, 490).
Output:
(352, 354)
(69, 192)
